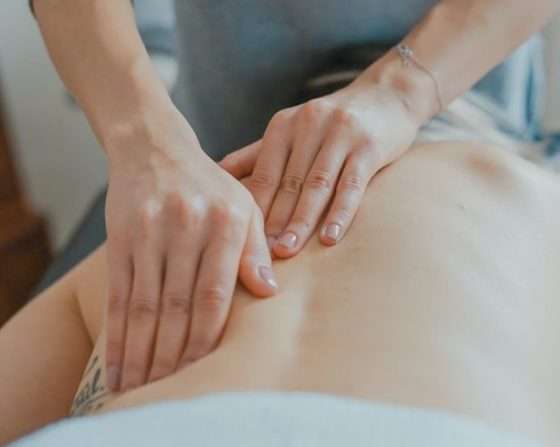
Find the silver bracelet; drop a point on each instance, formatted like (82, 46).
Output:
(408, 57)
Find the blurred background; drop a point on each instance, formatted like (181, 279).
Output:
(60, 166)
(52, 171)
(52, 154)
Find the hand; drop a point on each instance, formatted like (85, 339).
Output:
(179, 229)
(324, 151)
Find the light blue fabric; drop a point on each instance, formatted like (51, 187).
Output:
(273, 420)
(242, 60)
(517, 86)
(156, 23)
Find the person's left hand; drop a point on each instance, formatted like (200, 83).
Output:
(326, 149)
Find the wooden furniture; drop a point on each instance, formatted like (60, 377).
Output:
(24, 246)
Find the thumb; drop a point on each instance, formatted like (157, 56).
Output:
(241, 162)
(255, 269)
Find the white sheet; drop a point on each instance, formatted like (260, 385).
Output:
(273, 420)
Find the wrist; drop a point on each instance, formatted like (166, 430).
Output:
(131, 110)
(158, 132)
(414, 88)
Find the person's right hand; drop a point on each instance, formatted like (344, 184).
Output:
(179, 230)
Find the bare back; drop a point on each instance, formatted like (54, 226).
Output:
(443, 295)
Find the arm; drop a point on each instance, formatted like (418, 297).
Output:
(40, 370)
(459, 42)
(179, 229)
(99, 55)
(324, 153)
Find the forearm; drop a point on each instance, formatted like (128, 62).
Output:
(458, 42)
(99, 55)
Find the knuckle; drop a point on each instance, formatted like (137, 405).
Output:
(279, 119)
(228, 218)
(313, 109)
(221, 213)
(116, 304)
(224, 213)
(367, 150)
(344, 117)
(146, 221)
(176, 304)
(178, 208)
(318, 179)
(261, 180)
(351, 183)
(142, 307)
(237, 222)
(291, 183)
(369, 142)
(212, 300)
(196, 213)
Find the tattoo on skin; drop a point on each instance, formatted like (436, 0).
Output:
(92, 392)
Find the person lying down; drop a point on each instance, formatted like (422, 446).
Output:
(435, 322)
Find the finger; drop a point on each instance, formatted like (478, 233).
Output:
(309, 133)
(255, 268)
(317, 192)
(241, 162)
(214, 287)
(180, 273)
(143, 311)
(271, 162)
(358, 171)
(120, 274)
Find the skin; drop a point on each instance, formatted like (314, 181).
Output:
(315, 160)
(444, 298)
(167, 200)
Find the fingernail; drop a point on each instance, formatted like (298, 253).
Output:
(271, 240)
(113, 378)
(267, 276)
(288, 240)
(332, 231)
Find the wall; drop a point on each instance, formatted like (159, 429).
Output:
(61, 165)
(57, 155)
(552, 36)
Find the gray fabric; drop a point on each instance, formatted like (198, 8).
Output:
(89, 235)
(258, 419)
(242, 60)
(156, 23)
